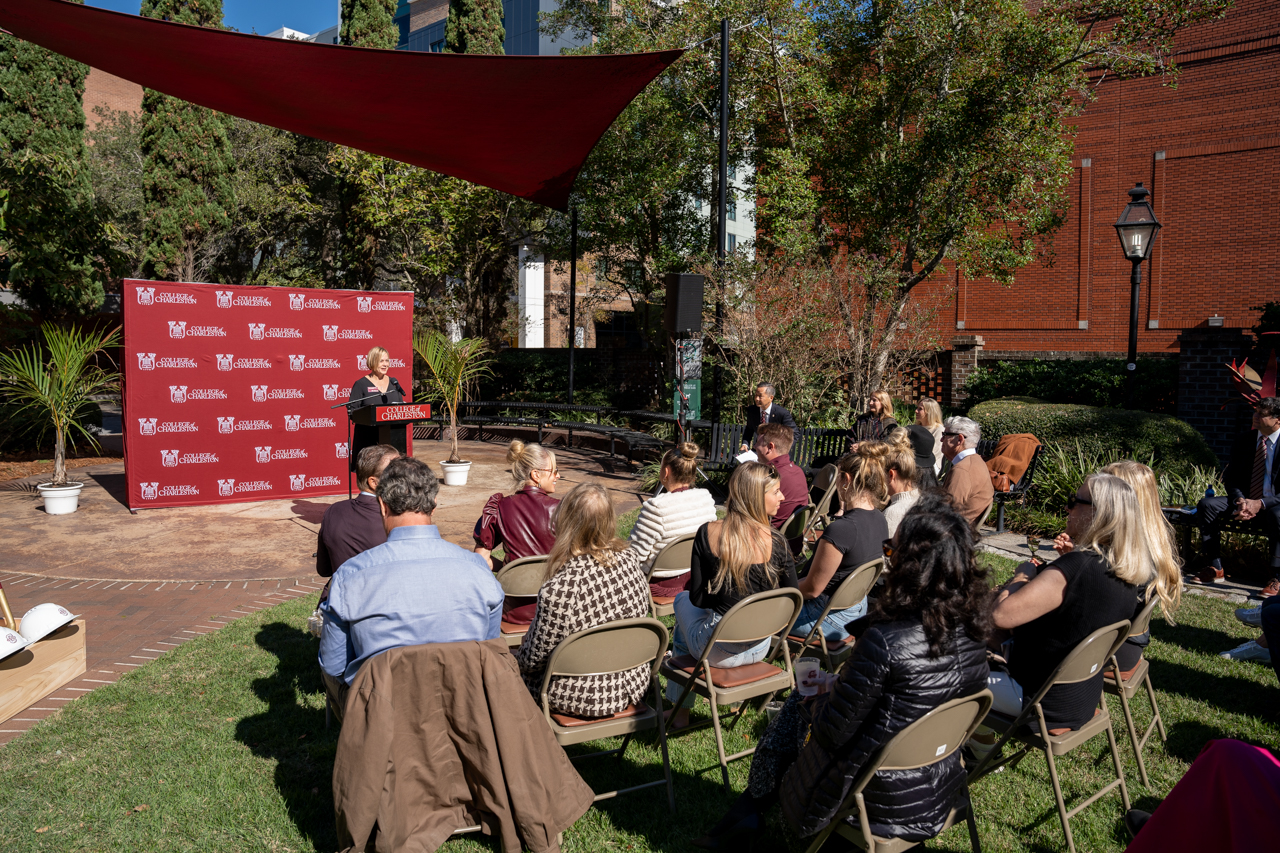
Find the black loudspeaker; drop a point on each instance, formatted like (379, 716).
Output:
(684, 303)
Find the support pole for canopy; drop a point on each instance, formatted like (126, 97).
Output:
(573, 292)
(723, 210)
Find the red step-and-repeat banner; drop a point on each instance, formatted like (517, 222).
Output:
(228, 388)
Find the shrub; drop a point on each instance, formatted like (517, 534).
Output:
(1088, 382)
(1169, 445)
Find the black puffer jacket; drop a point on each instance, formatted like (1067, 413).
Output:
(889, 683)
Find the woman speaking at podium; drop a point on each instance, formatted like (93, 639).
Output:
(375, 388)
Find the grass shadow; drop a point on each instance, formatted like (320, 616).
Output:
(291, 732)
(1237, 695)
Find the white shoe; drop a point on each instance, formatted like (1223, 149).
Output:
(1248, 651)
(1250, 616)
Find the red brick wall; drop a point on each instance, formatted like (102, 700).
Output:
(1209, 150)
(114, 93)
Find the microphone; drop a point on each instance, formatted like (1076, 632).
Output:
(361, 400)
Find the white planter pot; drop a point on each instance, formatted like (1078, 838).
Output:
(60, 500)
(455, 473)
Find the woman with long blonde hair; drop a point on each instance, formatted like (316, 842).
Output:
(592, 578)
(876, 423)
(732, 559)
(929, 416)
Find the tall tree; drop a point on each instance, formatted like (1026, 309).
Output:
(53, 251)
(475, 26)
(187, 165)
(370, 23)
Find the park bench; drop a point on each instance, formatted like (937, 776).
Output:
(818, 446)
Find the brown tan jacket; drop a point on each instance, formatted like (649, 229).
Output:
(969, 485)
(1012, 458)
(442, 736)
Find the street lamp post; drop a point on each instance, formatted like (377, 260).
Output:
(1137, 228)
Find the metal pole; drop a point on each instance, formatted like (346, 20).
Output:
(573, 292)
(723, 211)
(1131, 368)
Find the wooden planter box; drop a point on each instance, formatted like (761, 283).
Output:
(41, 668)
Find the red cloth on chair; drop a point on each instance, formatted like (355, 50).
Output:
(520, 615)
(1227, 802)
(669, 587)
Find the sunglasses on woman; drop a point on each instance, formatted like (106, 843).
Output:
(1074, 501)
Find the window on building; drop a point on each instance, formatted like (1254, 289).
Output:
(731, 244)
(437, 46)
(732, 211)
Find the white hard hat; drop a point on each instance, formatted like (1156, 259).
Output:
(42, 620)
(11, 641)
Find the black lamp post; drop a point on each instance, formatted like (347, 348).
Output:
(1137, 228)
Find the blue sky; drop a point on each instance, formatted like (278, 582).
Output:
(260, 16)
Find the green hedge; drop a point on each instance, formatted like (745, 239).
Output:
(1173, 446)
(1088, 382)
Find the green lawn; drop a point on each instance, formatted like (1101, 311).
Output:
(220, 745)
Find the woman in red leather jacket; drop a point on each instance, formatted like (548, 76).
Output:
(521, 522)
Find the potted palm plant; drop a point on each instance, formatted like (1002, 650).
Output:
(451, 367)
(59, 381)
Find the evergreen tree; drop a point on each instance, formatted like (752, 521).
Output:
(370, 23)
(51, 235)
(187, 164)
(475, 26)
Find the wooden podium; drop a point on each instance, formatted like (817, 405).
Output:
(392, 423)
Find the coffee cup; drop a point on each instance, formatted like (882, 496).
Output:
(808, 676)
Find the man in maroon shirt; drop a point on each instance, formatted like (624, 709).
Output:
(773, 444)
(353, 527)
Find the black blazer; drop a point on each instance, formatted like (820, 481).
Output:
(777, 415)
(348, 528)
(1240, 469)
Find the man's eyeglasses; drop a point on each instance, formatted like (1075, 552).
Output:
(950, 434)
(1074, 501)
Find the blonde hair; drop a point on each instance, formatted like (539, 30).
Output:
(374, 356)
(886, 403)
(901, 457)
(746, 525)
(1167, 583)
(524, 459)
(865, 469)
(1115, 531)
(932, 413)
(682, 462)
(584, 523)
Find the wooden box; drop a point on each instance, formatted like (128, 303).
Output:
(41, 668)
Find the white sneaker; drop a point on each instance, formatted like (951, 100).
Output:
(1248, 651)
(1250, 616)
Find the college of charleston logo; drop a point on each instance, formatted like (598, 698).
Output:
(169, 458)
(226, 424)
(147, 426)
(364, 304)
(256, 331)
(330, 392)
(149, 491)
(362, 362)
(259, 393)
(177, 393)
(291, 422)
(177, 329)
(226, 488)
(297, 362)
(297, 301)
(146, 361)
(224, 361)
(297, 482)
(262, 454)
(146, 295)
(340, 449)
(224, 298)
(330, 333)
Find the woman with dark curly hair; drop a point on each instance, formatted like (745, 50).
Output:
(923, 645)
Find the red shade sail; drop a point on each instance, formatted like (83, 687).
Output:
(519, 124)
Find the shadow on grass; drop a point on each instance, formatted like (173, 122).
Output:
(293, 735)
(1230, 694)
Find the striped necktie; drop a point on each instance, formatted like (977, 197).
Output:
(1259, 470)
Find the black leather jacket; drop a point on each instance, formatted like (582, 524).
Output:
(888, 683)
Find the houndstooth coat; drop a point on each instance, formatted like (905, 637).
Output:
(584, 594)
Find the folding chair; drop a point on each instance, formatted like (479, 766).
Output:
(852, 589)
(793, 530)
(1086, 660)
(608, 648)
(765, 615)
(928, 740)
(824, 485)
(1126, 686)
(677, 554)
(521, 578)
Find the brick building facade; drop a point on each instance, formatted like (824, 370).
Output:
(111, 93)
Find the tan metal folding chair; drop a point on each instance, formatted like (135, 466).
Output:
(608, 648)
(824, 485)
(1086, 660)
(1126, 686)
(677, 554)
(930, 739)
(852, 589)
(796, 524)
(765, 615)
(521, 578)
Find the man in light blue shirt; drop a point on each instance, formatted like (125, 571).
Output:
(414, 589)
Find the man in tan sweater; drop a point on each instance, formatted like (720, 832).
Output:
(968, 481)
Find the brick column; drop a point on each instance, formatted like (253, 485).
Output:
(1204, 385)
(965, 350)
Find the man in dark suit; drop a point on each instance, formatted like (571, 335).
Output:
(765, 412)
(352, 527)
(1253, 492)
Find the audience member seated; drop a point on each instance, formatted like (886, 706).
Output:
(967, 481)
(1227, 802)
(855, 537)
(732, 559)
(773, 447)
(924, 645)
(414, 588)
(354, 526)
(766, 412)
(678, 511)
(1253, 491)
(592, 578)
(876, 423)
(926, 449)
(929, 416)
(902, 472)
(1049, 609)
